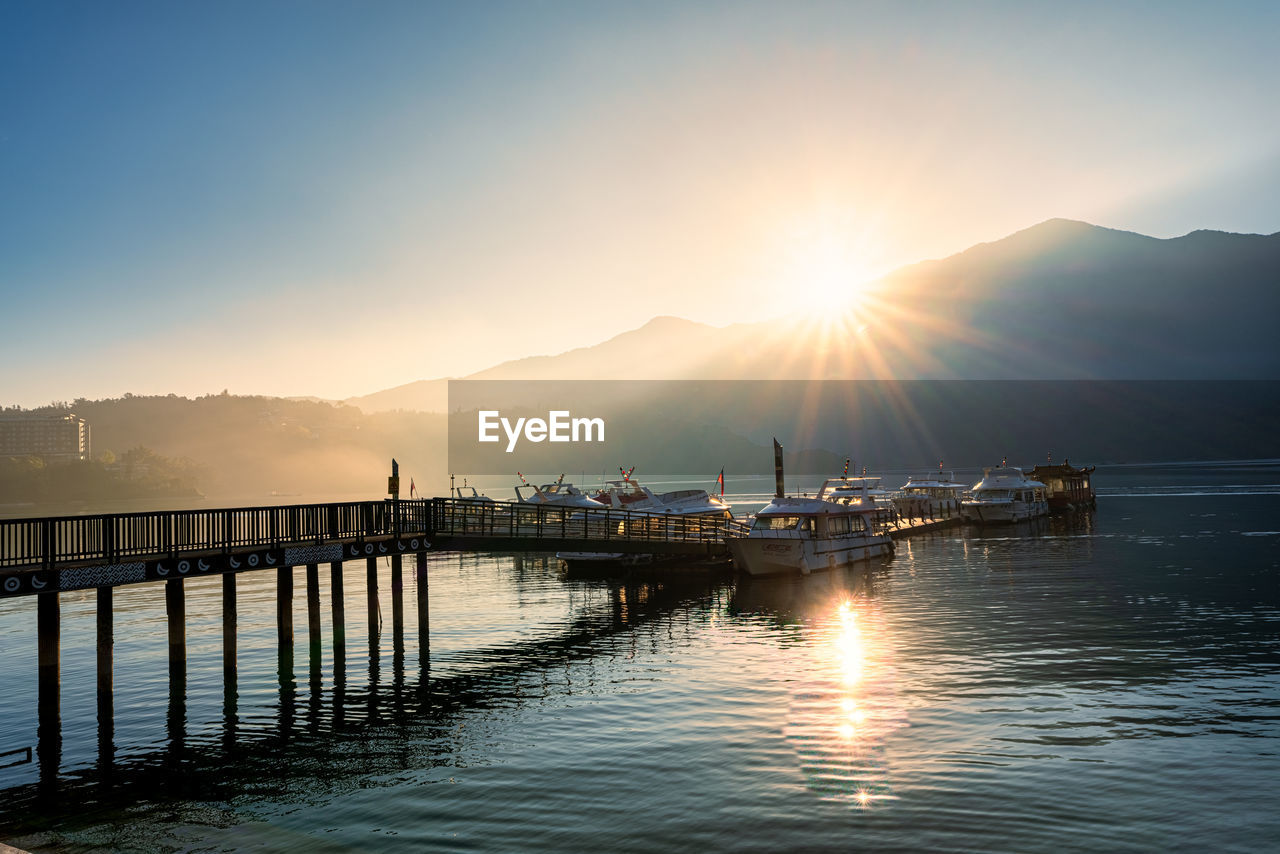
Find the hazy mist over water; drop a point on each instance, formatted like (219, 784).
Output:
(1102, 681)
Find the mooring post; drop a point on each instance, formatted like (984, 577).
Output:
(284, 605)
(106, 702)
(49, 726)
(371, 587)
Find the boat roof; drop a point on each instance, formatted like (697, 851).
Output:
(913, 483)
(793, 505)
(1006, 477)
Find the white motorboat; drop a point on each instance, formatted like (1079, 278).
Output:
(935, 496)
(865, 492)
(1005, 494)
(627, 494)
(469, 494)
(837, 527)
(558, 494)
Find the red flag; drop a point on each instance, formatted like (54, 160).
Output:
(412, 488)
(720, 480)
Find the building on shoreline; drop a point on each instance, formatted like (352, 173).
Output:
(54, 438)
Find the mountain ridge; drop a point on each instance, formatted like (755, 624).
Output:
(1059, 299)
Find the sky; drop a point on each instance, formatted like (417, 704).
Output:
(333, 198)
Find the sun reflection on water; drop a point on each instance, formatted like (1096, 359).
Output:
(840, 723)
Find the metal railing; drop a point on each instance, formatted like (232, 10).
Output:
(121, 537)
(117, 537)
(513, 520)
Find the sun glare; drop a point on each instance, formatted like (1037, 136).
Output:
(825, 261)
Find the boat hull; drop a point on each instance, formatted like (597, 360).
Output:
(1000, 512)
(777, 556)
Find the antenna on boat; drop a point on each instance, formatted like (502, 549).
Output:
(777, 468)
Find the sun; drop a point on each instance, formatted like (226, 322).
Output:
(824, 262)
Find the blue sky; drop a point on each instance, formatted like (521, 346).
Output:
(335, 198)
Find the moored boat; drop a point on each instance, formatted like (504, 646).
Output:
(1067, 486)
(865, 492)
(801, 534)
(1005, 494)
(934, 496)
(558, 494)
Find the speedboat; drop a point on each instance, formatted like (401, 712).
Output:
(934, 496)
(837, 527)
(1004, 494)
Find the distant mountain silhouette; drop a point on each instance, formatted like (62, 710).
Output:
(1060, 300)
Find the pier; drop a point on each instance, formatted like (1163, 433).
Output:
(41, 558)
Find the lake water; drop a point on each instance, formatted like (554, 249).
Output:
(1104, 681)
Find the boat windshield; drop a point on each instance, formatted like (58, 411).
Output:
(776, 523)
(992, 494)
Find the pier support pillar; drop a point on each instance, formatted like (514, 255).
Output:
(175, 602)
(338, 606)
(339, 625)
(313, 606)
(229, 619)
(176, 606)
(49, 715)
(106, 699)
(230, 690)
(371, 587)
(284, 605)
(424, 613)
(397, 600)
